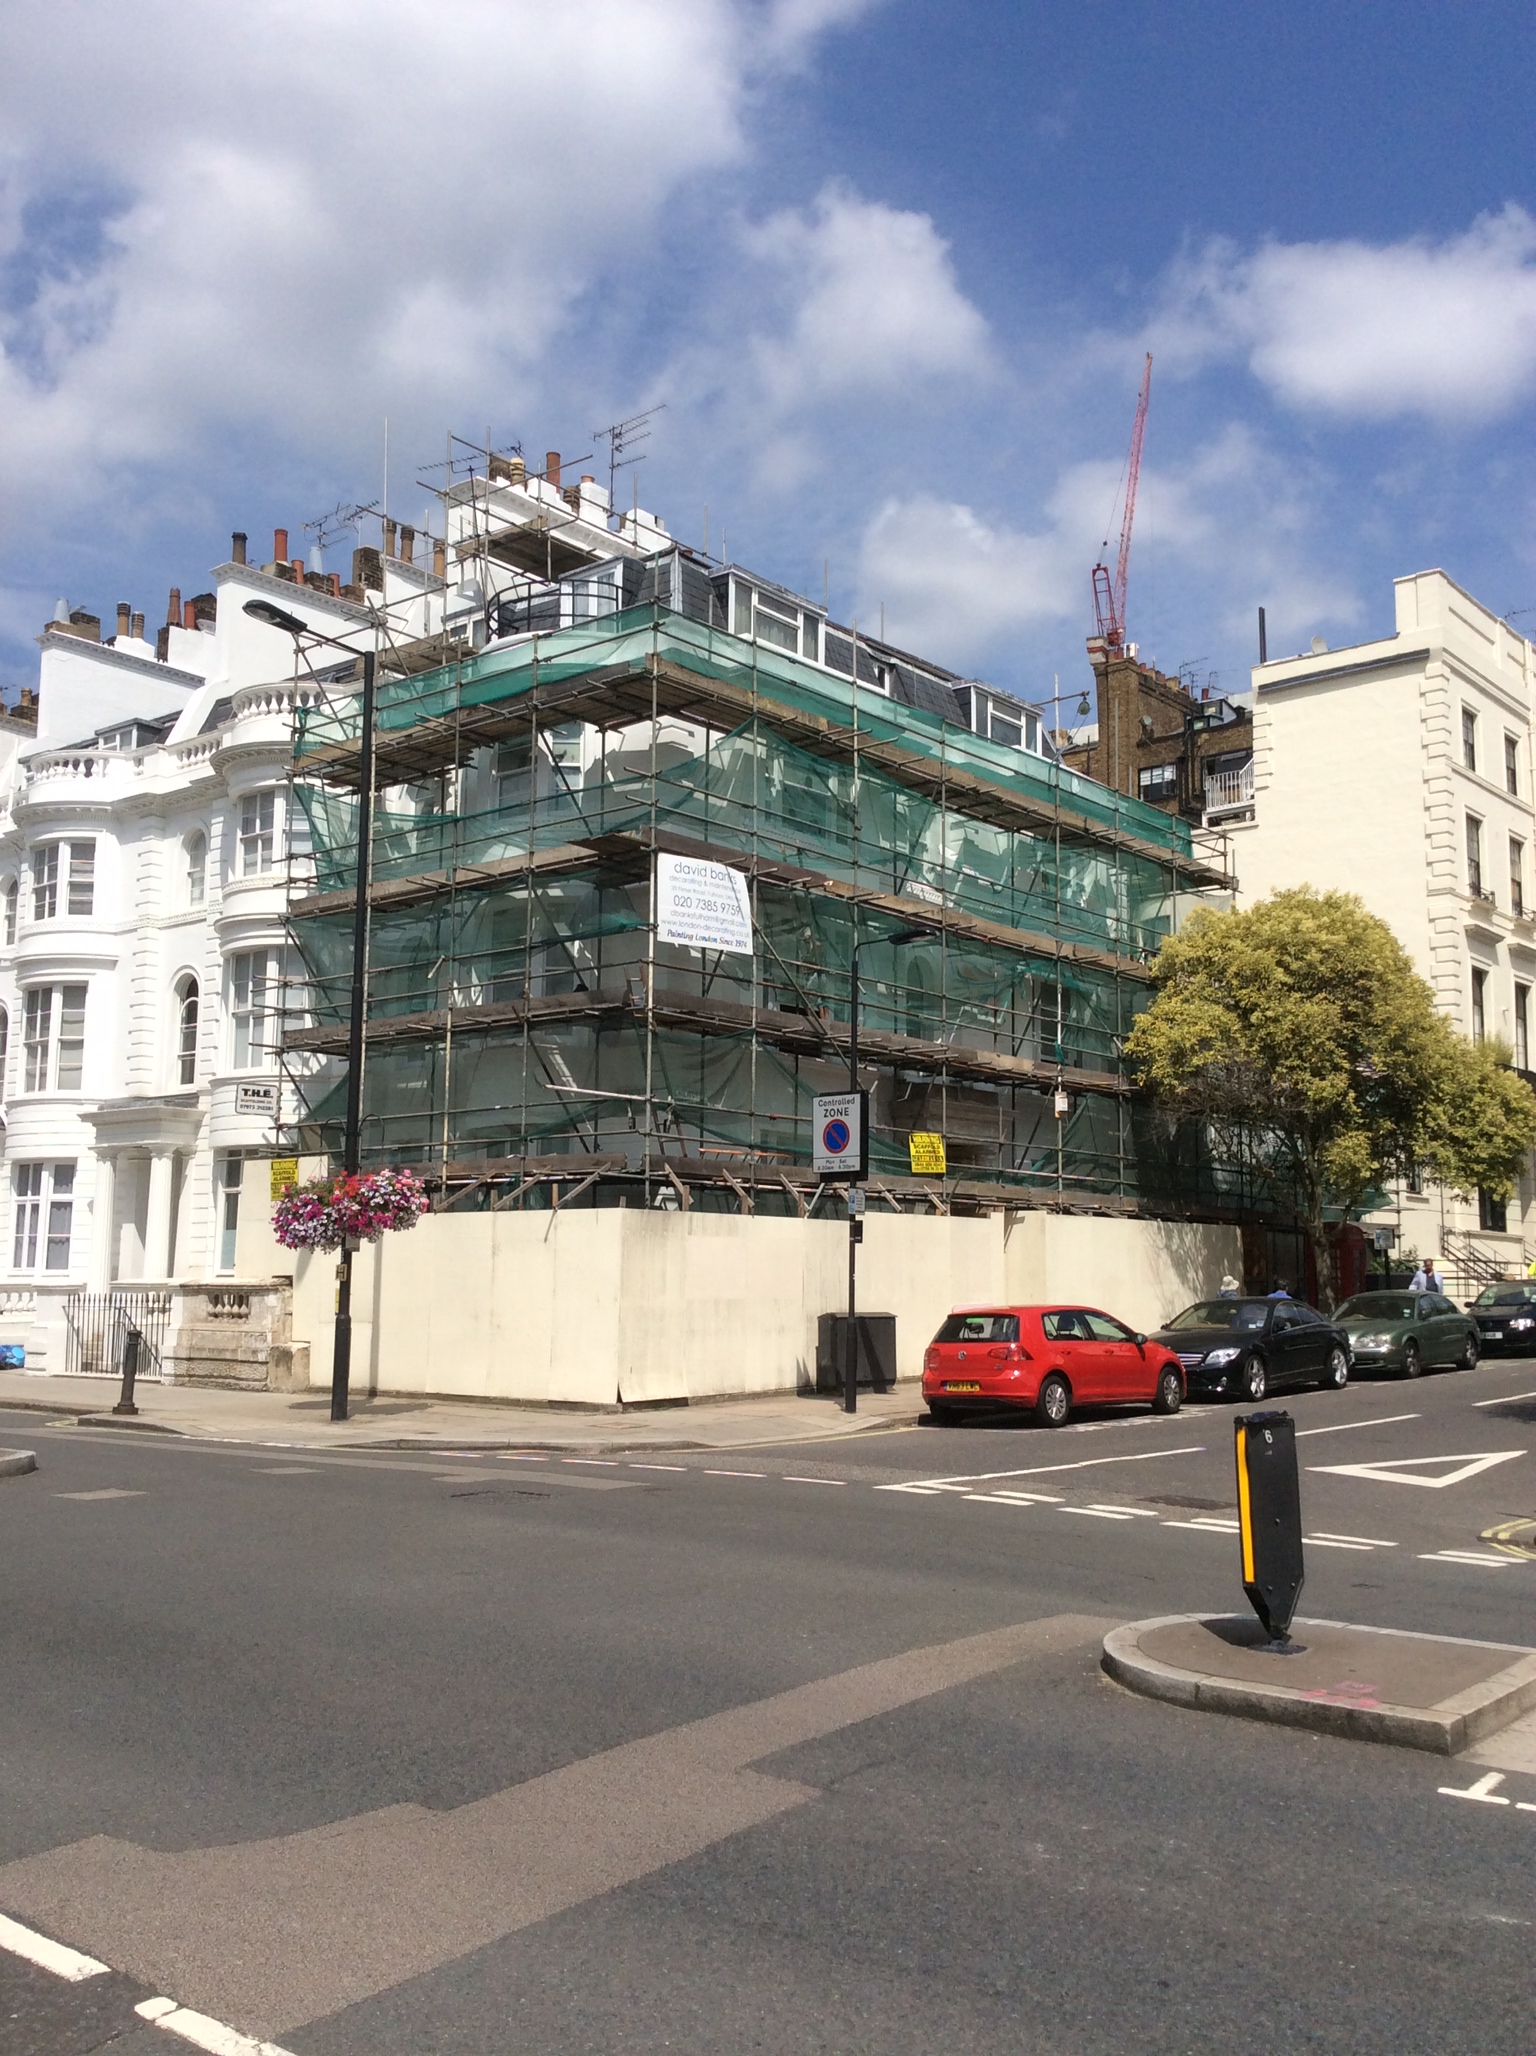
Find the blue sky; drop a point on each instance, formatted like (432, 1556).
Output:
(892, 267)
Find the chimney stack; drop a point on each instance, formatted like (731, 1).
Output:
(552, 467)
(124, 615)
(237, 546)
(173, 609)
(389, 536)
(136, 628)
(407, 544)
(280, 545)
(189, 615)
(439, 558)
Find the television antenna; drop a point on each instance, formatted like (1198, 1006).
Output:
(622, 437)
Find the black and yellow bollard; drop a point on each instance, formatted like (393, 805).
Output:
(1269, 1518)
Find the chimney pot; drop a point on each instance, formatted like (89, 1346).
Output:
(439, 558)
(189, 615)
(552, 466)
(517, 471)
(280, 545)
(136, 628)
(173, 608)
(335, 579)
(237, 546)
(124, 614)
(389, 537)
(407, 544)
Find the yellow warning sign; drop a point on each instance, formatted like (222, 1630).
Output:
(927, 1155)
(285, 1172)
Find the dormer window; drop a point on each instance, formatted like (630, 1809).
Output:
(774, 618)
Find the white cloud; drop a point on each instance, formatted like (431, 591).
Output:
(306, 217)
(867, 301)
(1443, 328)
(1229, 527)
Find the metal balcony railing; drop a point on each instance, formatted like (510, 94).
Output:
(1228, 792)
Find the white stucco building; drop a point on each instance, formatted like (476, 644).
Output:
(1400, 769)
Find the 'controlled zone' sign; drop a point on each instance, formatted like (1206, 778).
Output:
(840, 1135)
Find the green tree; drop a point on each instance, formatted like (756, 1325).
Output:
(1299, 1030)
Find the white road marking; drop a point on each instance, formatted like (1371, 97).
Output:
(1498, 1563)
(110, 1492)
(1325, 1542)
(1098, 1513)
(599, 1463)
(288, 1470)
(1505, 1399)
(1017, 1498)
(1371, 1541)
(1205, 1527)
(735, 1474)
(520, 1456)
(955, 1484)
(1339, 1427)
(657, 1467)
(813, 1481)
(204, 2033)
(1130, 1513)
(1403, 1470)
(1482, 1790)
(65, 1963)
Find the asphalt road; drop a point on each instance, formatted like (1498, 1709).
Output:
(787, 1751)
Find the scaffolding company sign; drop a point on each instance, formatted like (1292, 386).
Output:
(702, 905)
(840, 1135)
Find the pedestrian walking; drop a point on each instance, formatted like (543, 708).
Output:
(1282, 1289)
(1230, 1289)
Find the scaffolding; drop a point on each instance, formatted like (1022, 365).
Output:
(530, 1040)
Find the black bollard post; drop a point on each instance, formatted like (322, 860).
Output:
(131, 1341)
(1269, 1520)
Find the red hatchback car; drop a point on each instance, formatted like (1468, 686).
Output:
(1046, 1358)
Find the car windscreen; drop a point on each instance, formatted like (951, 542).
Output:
(979, 1328)
(1242, 1315)
(1506, 1295)
(1377, 1306)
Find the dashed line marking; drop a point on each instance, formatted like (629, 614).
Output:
(1338, 1427)
(1505, 1399)
(1042, 1470)
(1205, 1527)
(202, 2032)
(657, 1467)
(107, 1492)
(1370, 1541)
(1097, 1513)
(735, 1474)
(1496, 1563)
(65, 1963)
(596, 1463)
(814, 1481)
(1129, 1513)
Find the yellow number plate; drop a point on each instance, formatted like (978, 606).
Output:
(952, 1385)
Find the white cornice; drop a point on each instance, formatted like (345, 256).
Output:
(104, 653)
(264, 581)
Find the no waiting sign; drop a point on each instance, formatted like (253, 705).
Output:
(840, 1136)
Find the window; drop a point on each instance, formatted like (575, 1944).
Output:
(257, 819)
(45, 882)
(979, 1328)
(196, 847)
(44, 1216)
(1416, 1180)
(1522, 1028)
(1469, 738)
(53, 1039)
(82, 877)
(186, 1032)
(228, 1174)
(514, 771)
(1004, 730)
(1492, 1214)
(252, 982)
(12, 903)
(1474, 856)
(1516, 875)
(1512, 763)
(5, 1047)
(1479, 1008)
(1158, 782)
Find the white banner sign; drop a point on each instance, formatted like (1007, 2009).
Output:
(256, 1099)
(702, 905)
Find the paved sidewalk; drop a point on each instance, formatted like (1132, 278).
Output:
(398, 1421)
(1432, 1692)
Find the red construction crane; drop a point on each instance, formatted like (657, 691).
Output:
(1109, 601)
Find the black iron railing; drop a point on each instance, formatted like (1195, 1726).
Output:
(100, 1324)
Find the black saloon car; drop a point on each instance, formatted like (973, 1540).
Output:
(1243, 1348)
(1506, 1317)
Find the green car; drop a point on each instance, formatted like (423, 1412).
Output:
(1408, 1332)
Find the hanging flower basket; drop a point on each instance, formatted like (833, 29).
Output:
(323, 1213)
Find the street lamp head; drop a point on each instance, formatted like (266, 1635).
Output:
(274, 617)
(920, 934)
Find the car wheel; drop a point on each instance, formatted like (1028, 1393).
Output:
(943, 1416)
(1467, 1361)
(1054, 1402)
(1169, 1396)
(1252, 1379)
(1413, 1361)
(1336, 1377)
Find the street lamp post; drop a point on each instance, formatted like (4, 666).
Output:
(855, 1190)
(341, 1349)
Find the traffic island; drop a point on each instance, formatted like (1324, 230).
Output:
(1431, 1692)
(15, 1463)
